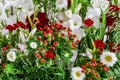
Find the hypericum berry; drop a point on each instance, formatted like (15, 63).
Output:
(83, 71)
(44, 42)
(93, 64)
(83, 66)
(62, 34)
(53, 37)
(43, 60)
(37, 55)
(4, 48)
(93, 72)
(73, 44)
(41, 29)
(39, 38)
(55, 43)
(87, 64)
(61, 21)
(77, 41)
(97, 75)
(53, 48)
(45, 34)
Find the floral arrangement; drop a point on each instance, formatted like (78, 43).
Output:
(60, 39)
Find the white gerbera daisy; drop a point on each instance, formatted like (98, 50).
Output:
(77, 74)
(33, 45)
(11, 56)
(60, 4)
(108, 58)
(76, 21)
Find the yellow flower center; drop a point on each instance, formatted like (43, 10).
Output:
(75, 24)
(108, 58)
(78, 74)
(11, 56)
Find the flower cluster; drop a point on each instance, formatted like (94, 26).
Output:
(68, 39)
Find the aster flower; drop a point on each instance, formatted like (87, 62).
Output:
(77, 73)
(11, 56)
(108, 58)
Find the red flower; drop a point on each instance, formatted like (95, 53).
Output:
(21, 24)
(114, 8)
(41, 22)
(49, 54)
(110, 21)
(99, 44)
(88, 22)
(69, 3)
(11, 27)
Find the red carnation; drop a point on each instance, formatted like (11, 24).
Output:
(21, 24)
(11, 27)
(99, 44)
(49, 54)
(88, 22)
(41, 22)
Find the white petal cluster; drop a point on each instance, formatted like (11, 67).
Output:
(11, 56)
(77, 74)
(108, 58)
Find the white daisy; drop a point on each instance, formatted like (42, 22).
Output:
(73, 58)
(33, 45)
(11, 56)
(100, 5)
(77, 74)
(76, 21)
(60, 4)
(108, 58)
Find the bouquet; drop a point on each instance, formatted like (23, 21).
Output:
(60, 39)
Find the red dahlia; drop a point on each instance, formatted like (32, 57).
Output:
(99, 44)
(41, 22)
(49, 54)
(88, 22)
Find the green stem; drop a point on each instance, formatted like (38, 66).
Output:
(102, 30)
